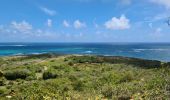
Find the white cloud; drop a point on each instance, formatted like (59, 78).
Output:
(18, 30)
(49, 22)
(23, 26)
(165, 3)
(78, 24)
(48, 11)
(66, 23)
(118, 23)
(24, 30)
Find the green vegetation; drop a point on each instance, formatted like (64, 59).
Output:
(16, 74)
(49, 74)
(75, 77)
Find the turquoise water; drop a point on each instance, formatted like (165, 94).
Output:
(154, 51)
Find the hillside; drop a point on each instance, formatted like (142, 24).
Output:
(76, 77)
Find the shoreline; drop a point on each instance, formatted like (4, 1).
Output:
(59, 54)
(147, 51)
(109, 59)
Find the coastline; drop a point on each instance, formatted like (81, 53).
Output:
(152, 51)
(50, 55)
(109, 59)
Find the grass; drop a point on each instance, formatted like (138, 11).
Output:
(70, 77)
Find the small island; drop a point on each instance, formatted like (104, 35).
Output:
(82, 77)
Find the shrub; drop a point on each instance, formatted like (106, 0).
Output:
(49, 75)
(31, 77)
(166, 64)
(65, 59)
(1, 73)
(72, 77)
(127, 77)
(86, 59)
(79, 85)
(157, 82)
(107, 91)
(70, 63)
(3, 90)
(133, 61)
(2, 81)
(17, 74)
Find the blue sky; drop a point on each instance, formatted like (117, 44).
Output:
(84, 20)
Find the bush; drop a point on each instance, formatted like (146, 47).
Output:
(2, 81)
(166, 64)
(157, 82)
(70, 63)
(126, 77)
(86, 59)
(16, 74)
(79, 85)
(65, 59)
(3, 90)
(107, 91)
(1, 73)
(132, 61)
(49, 75)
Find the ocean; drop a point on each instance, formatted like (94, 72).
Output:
(152, 51)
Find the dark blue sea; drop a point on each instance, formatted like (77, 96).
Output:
(153, 51)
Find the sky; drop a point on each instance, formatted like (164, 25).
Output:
(84, 20)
